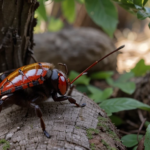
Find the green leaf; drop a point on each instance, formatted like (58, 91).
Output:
(55, 24)
(103, 13)
(57, 0)
(135, 148)
(138, 7)
(126, 86)
(98, 95)
(123, 83)
(120, 104)
(105, 94)
(42, 11)
(93, 89)
(95, 92)
(127, 4)
(138, 2)
(110, 81)
(82, 80)
(95, 97)
(126, 76)
(81, 1)
(82, 89)
(146, 123)
(127, 1)
(145, 1)
(68, 8)
(130, 140)
(141, 14)
(102, 75)
(147, 138)
(140, 68)
(116, 120)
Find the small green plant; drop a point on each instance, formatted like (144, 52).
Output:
(108, 146)
(130, 140)
(120, 104)
(92, 146)
(90, 132)
(138, 7)
(77, 127)
(101, 97)
(6, 146)
(147, 138)
(123, 83)
(141, 68)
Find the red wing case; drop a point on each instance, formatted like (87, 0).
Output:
(24, 77)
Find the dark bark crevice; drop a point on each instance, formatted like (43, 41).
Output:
(16, 32)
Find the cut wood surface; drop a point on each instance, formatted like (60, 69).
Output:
(71, 127)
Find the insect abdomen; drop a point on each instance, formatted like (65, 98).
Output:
(24, 77)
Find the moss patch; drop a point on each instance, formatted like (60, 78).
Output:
(103, 123)
(77, 127)
(6, 144)
(107, 145)
(90, 132)
(92, 146)
(94, 135)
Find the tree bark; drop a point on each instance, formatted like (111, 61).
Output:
(16, 32)
(69, 126)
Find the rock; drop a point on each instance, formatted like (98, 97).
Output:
(78, 48)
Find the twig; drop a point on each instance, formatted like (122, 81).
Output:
(140, 115)
(136, 131)
(140, 129)
(132, 124)
(123, 132)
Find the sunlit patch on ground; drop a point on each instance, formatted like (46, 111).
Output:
(137, 46)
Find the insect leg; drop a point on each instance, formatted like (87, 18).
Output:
(1, 103)
(39, 114)
(66, 68)
(71, 89)
(3, 99)
(63, 98)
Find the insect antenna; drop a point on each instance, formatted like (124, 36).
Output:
(66, 68)
(97, 62)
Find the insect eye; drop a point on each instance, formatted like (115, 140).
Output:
(62, 85)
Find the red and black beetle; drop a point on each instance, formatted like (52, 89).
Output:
(28, 85)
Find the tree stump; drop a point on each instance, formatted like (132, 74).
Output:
(76, 47)
(71, 127)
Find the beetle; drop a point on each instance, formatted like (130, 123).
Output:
(31, 84)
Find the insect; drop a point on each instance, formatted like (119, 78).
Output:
(31, 84)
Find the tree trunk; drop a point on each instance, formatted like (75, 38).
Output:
(69, 126)
(16, 32)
